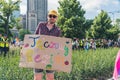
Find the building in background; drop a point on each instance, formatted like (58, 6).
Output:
(23, 21)
(36, 12)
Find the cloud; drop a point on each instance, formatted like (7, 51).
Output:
(92, 7)
(115, 2)
(53, 4)
(23, 7)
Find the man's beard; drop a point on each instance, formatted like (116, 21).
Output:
(52, 22)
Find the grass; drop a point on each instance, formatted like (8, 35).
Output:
(91, 65)
(10, 70)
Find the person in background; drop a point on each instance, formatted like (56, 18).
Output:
(86, 45)
(47, 28)
(6, 45)
(93, 44)
(74, 44)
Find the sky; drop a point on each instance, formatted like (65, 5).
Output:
(92, 7)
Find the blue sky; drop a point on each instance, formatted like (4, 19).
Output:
(92, 7)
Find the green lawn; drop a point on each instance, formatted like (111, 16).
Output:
(91, 65)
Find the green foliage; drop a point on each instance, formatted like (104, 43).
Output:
(102, 27)
(7, 9)
(87, 26)
(117, 24)
(15, 22)
(71, 18)
(22, 33)
(113, 33)
(9, 67)
(92, 65)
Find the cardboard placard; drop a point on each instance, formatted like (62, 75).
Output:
(46, 52)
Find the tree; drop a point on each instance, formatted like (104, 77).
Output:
(22, 33)
(101, 26)
(87, 25)
(71, 18)
(7, 8)
(16, 23)
(118, 23)
(113, 32)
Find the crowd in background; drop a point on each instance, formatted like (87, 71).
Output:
(77, 44)
(6, 44)
(94, 43)
(16, 42)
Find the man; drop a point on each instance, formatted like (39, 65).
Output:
(47, 28)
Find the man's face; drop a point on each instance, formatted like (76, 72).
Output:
(52, 18)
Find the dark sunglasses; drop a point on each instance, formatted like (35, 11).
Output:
(50, 16)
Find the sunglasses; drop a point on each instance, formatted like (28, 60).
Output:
(50, 16)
